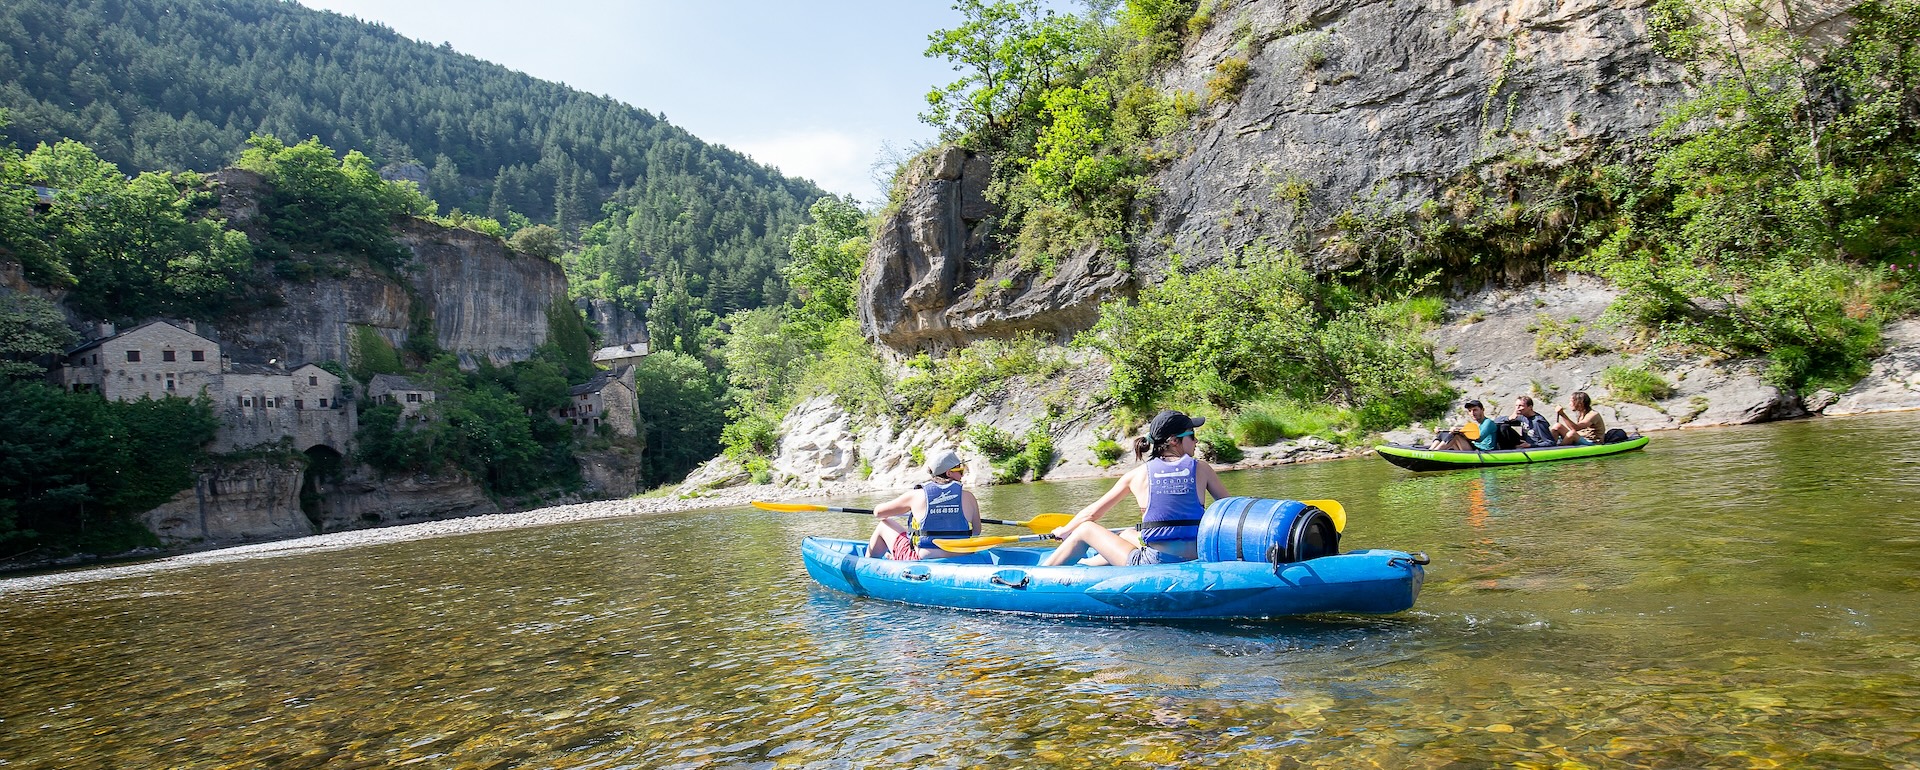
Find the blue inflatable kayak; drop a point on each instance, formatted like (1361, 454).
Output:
(1009, 580)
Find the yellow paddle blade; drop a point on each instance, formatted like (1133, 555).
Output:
(1471, 431)
(1048, 522)
(971, 544)
(1334, 510)
(787, 507)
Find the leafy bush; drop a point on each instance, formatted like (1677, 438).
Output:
(371, 354)
(1217, 444)
(1106, 452)
(1038, 451)
(1229, 78)
(1636, 384)
(1760, 229)
(1555, 340)
(1257, 326)
(79, 468)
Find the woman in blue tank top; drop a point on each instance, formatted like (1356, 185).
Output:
(938, 508)
(1168, 487)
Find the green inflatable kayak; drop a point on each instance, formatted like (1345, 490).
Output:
(1417, 459)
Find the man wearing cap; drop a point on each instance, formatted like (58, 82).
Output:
(937, 508)
(1169, 487)
(1477, 434)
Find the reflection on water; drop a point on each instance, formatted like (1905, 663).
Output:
(1727, 598)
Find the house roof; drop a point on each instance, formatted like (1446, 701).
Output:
(392, 382)
(258, 369)
(617, 352)
(86, 346)
(599, 381)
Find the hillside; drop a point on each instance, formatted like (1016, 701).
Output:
(180, 84)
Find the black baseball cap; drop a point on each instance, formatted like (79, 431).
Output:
(1170, 423)
(1472, 403)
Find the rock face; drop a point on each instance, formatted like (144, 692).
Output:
(484, 300)
(251, 499)
(617, 325)
(1894, 382)
(928, 282)
(1355, 104)
(363, 499)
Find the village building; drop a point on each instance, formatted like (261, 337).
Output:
(621, 355)
(395, 389)
(255, 404)
(606, 399)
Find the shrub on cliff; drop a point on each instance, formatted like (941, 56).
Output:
(1767, 224)
(327, 204)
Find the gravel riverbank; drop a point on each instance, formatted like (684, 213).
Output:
(561, 514)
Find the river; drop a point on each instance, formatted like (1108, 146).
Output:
(1739, 597)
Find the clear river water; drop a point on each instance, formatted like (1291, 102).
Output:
(1741, 597)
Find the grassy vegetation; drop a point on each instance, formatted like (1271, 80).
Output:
(1636, 384)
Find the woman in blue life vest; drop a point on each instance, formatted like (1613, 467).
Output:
(1168, 487)
(938, 508)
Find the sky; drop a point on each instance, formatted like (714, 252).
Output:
(815, 89)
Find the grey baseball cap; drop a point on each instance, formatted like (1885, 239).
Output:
(944, 461)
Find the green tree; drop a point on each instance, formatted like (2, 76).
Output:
(136, 248)
(680, 413)
(31, 329)
(1009, 52)
(538, 241)
(824, 258)
(569, 339)
(326, 204)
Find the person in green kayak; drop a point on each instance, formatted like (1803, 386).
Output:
(1169, 488)
(1582, 425)
(1478, 434)
(937, 508)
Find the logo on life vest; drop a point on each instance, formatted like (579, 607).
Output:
(948, 497)
(1172, 474)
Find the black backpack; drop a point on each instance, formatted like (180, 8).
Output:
(1614, 436)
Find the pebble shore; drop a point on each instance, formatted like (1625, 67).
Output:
(735, 497)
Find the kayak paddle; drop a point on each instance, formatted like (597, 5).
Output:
(971, 544)
(1046, 522)
(803, 507)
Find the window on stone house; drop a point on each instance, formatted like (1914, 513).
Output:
(199, 355)
(133, 356)
(244, 401)
(313, 379)
(413, 398)
(169, 382)
(167, 356)
(323, 403)
(299, 404)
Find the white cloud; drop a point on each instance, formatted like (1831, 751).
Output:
(834, 160)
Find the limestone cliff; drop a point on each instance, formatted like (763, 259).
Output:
(929, 281)
(482, 299)
(1366, 107)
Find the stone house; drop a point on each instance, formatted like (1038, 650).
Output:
(255, 404)
(621, 355)
(606, 399)
(155, 359)
(395, 389)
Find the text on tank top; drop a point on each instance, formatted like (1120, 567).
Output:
(945, 517)
(1173, 501)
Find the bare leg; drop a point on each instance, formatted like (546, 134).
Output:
(1111, 547)
(883, 537)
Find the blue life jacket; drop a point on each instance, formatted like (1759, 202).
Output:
(1173, 502)
(945, 517)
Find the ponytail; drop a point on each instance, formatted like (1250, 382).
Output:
(1144, 447)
